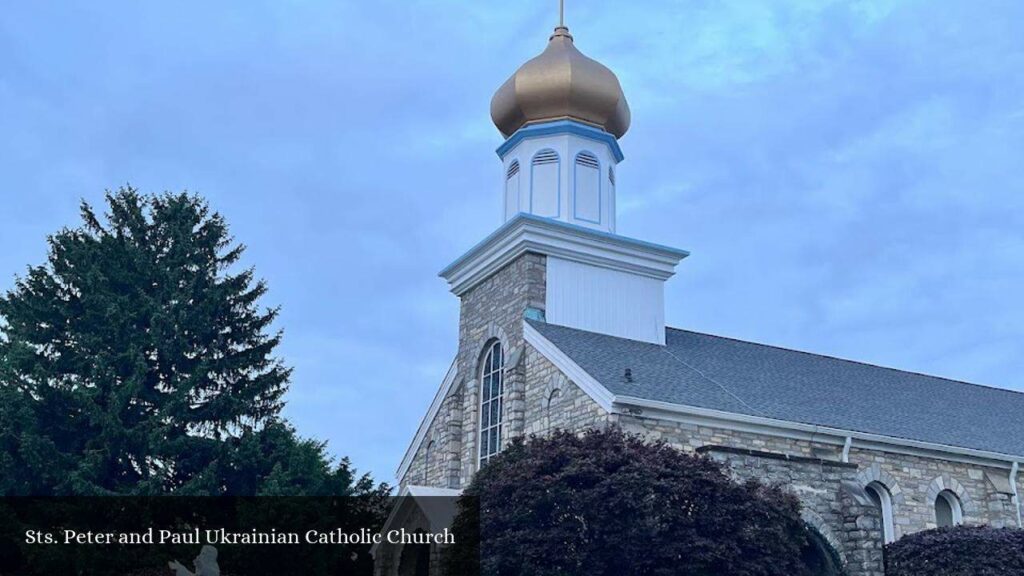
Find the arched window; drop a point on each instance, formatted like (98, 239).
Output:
(427, 454)
(587, 197)
(512, 190)
(492, 394)
(545, 184)
(611, 175)
(883, 500)
(415, 558)
(948, 512)
(546, 156)
(552, 405)
(587, 159)
(819, 555)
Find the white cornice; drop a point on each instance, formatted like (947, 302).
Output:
(527, 233)
(421, 432)
(801, 431)
(632, 406)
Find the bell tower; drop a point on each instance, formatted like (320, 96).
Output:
(557, 258)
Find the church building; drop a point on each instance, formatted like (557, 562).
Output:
(562, 326)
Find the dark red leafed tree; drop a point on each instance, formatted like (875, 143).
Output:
(610, 503)
(959, 551)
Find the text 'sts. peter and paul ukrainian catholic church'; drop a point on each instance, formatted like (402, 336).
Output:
(562, 325)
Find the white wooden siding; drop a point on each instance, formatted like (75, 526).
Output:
(605, 301)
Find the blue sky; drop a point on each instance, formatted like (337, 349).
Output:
(846, 174)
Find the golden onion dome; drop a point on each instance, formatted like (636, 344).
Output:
(561, 83)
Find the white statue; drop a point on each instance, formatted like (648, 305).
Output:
(205, 564)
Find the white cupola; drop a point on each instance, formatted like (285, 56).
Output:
(562, 114)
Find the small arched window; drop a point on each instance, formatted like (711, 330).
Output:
(611, 175)
(427, 454)
(545, 184)
(587, 199)
(883, 500)
(492, 394)
(587, 159)
(546, 156)
(549, 410)
(512, 190)
(948, 512)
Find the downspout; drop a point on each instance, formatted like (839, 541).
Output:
(1013, 488)
(846, 454)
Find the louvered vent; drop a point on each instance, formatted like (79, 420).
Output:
(611, 175)
(586, 159)
(545, 157)
(513, 169)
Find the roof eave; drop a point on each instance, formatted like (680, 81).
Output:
(826, 434)
(628, 405)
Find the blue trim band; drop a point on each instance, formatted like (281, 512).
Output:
(561, 127)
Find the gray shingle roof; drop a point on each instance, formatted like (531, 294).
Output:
(730, 375)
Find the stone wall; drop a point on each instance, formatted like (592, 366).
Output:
(437, 461)
(689, 437)
(494, 309)
(810, 470)
(914, 482)
(831, 503)
(540, 399)
(552, 401)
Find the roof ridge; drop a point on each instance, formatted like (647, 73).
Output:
(848, 360)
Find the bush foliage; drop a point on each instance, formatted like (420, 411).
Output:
(960, 551)
(611, 503)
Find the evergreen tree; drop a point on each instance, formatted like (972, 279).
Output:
(138, 361)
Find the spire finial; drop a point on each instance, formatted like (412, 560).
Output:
(561, 30)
